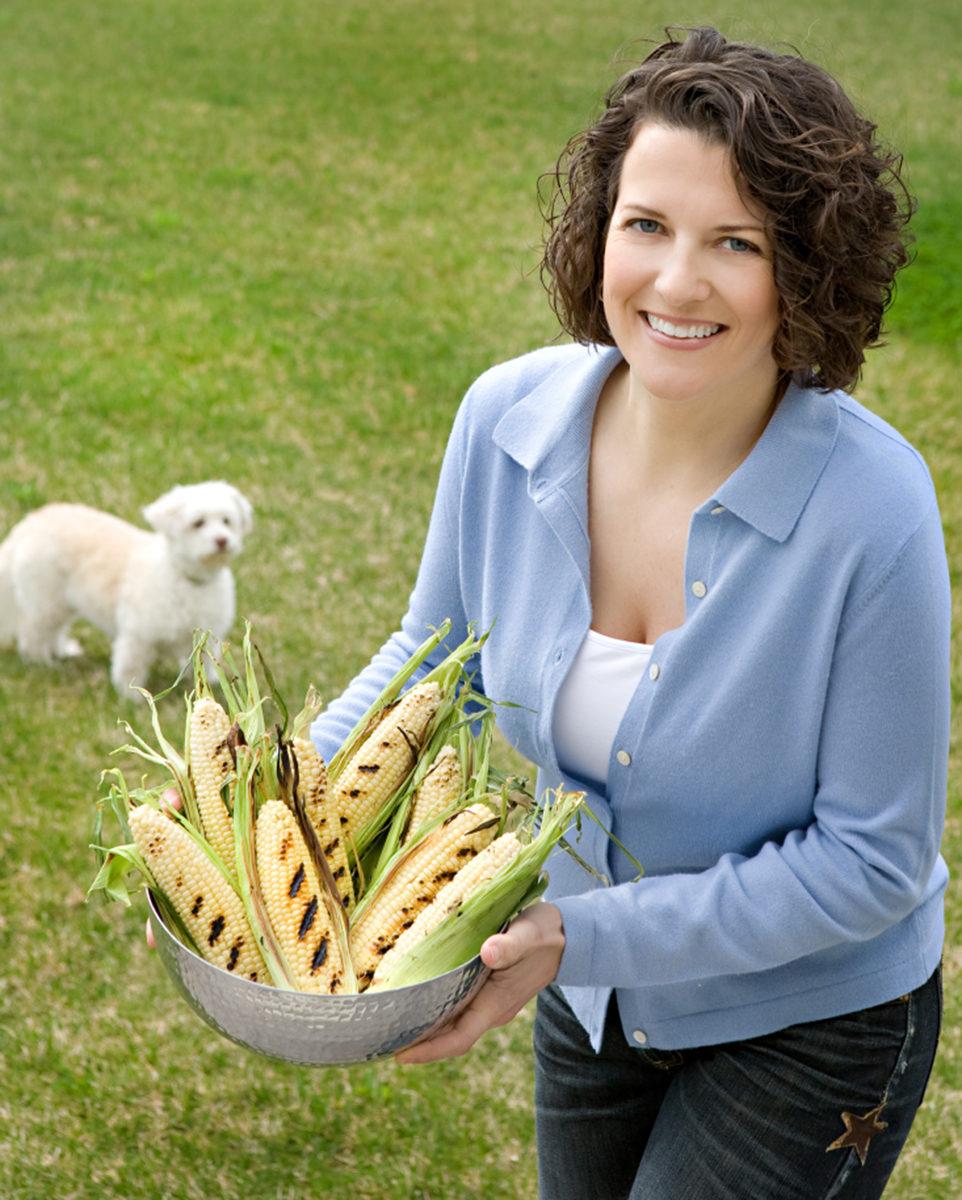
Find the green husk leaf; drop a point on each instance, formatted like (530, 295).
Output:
(305, 718)
(460, 935)
(224, 669)
(516, 788)
(114, 862)
(482, 755)
(173, 921)
(111, 879)
(119, 801)
(388, 695)
(241, 689)
(275, 694)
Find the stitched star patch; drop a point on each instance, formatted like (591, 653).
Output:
(859, 1131)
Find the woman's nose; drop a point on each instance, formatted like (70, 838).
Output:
(681, 277)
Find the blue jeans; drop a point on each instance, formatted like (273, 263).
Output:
(817, 1111)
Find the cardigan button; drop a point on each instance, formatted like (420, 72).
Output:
(699, 589)
(640, 1037)
(654, 671)
(624, 758)
(719, 509)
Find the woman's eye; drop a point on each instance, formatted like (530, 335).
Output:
(646, 225)
(734, 243)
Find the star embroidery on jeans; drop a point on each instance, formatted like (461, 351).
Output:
(859, 1131)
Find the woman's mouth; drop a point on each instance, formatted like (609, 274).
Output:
(686, 331)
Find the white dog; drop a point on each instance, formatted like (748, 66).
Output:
(148, 592)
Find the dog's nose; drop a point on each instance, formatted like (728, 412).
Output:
(221, 543)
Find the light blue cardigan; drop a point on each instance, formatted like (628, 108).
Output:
(781, 769)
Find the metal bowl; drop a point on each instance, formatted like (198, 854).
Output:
(314, 1031)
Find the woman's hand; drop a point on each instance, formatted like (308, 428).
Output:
(523, 960)
(170, 799)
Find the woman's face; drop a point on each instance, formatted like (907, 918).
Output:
(689, 290)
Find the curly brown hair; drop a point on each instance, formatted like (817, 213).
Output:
(835, 205)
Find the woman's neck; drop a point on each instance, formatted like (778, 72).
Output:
(687, 446)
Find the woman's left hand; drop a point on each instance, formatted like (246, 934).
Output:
(523, 960)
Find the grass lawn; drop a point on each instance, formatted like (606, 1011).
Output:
(274, 243)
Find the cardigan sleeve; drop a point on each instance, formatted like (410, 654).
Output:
(868, 856)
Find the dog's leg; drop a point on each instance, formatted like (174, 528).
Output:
(130, 664)
(44, 633)
(68, 647)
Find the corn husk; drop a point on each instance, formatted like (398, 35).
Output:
(460, 935)
(261, 744)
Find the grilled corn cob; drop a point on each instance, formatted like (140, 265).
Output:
(205, 901)
(475, 872)
(211, 768)
(438, 790)
(384, 760)
(313, 790)
(294, 900)
(413, 883)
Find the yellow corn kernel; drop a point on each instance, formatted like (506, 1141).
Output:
(211, 768)
(439, 789)
(295, 901)
(475, 872)
(414, 883)
(204, 900)
(313, 790)
(386, 757)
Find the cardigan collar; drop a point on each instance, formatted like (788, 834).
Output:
(548, 432)
(772, 486)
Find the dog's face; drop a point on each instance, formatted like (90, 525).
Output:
(205, 521)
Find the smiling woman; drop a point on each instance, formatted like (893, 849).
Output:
(692, 307)
(804, 160)
(721, 608)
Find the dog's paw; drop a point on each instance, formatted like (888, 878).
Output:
(68, 647)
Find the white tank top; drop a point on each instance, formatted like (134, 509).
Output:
(592, 702)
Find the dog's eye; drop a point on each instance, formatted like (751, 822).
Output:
(227, 522)
(199, 523)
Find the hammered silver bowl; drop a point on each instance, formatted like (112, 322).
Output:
(310, 1030)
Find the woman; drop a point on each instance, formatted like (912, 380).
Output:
(722, 608)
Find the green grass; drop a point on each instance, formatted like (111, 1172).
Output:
(275, 243)
(927, 308)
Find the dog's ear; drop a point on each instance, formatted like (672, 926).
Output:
(165, 514)
(245, 511)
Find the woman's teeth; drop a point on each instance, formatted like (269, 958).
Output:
(682, 331)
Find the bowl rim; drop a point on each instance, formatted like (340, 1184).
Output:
(446, 995)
